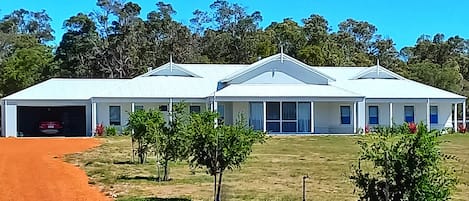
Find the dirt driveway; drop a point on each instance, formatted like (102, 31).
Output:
(32, 169)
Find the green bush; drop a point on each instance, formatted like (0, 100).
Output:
(397, 165)
(110, 131)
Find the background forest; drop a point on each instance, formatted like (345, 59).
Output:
(115, 42)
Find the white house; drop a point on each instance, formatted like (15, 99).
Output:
(278, 94)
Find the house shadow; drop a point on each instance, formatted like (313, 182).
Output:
(128, 162)
(160, 199)
(148, 178)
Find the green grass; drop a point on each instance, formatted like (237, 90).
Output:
(274, 171)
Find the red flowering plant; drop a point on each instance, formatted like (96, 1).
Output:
(99, 130)
(367, 129)
(412, 127)
(461, 128)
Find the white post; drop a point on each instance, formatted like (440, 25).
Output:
(455, 118)
(132, 107)
(464, 113)
(428, 114)
(93, 118)
(312, 117)
(390, 115)
(264, 116)
(355, 117)
(170, 109)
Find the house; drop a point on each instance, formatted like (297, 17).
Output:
(278, 94)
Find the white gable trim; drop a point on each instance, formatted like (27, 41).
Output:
(160, 71)
(377, 69)
(278, 57)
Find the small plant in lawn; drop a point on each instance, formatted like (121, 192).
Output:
(218, 148)
(172, 143)
(146, 125)
(110, 131)
(396, 166)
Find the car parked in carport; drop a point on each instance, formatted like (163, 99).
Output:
(50, 127)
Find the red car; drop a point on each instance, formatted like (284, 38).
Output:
(50, 127)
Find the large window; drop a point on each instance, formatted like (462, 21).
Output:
(115, 115)
(433, 114)
(409, 114)
(256, 115)
(373, 115)
(345, 114)
(289, 117)
(304, 117)
(273, 116)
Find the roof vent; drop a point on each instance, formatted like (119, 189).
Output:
(149, 69)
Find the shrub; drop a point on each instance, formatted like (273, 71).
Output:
(110, 131)
(461, 128)
(99, 130)
(403, 166)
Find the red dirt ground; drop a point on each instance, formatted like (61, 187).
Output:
(32, 169)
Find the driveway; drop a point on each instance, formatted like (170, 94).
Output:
(32, 169)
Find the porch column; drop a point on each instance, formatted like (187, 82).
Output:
(170, 109)
(264, 121)
(455, 118)
(390, 115)
(428, 114)
(312, 117)
(355, 117)
(132, 107)
(464, 113)
(93, 118)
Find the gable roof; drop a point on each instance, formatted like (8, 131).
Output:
(377, 72)
(282, 57)
(170, 69)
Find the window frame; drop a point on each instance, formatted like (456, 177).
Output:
(405, 114)
(115, 122)
(195, 106)
(342, 116)
(370, 117)
(434, 117)
(139, 107)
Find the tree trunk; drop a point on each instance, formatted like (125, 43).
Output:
(165, 175)
(219, 186)
(215, 187)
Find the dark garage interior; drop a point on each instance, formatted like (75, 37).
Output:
(72, 118)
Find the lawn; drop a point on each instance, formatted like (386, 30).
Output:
(273, 172)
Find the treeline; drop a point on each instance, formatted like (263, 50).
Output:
(115, 42)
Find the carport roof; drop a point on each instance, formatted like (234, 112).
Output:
(65, 89)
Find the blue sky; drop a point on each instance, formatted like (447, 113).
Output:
(402, 20)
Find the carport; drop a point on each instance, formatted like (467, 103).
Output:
(72, 119)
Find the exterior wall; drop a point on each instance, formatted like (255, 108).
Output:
(240, 108)
(327, 118)
(420, 114)
(10, 117)
(383, 114)
(103, 111)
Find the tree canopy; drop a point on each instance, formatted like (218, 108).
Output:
(115, 41)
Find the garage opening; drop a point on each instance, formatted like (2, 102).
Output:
(69, 121)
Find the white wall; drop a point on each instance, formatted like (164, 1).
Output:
(10, 118)
(102, 112)
(327, 118)
(383, 114)
(241, 108)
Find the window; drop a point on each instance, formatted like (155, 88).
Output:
(115, 115)
(373, 115)
(345, 114)
(221, 113)
(433, 114)
(256, 115)
(163, 108)
(138, 107)
(409, 114)
(194, 109)
(289, 117)
(273, 116)
(304, 117)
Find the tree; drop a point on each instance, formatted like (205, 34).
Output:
(172, 142)
(396, 165)
(220, 148)
(27, 22)
(145, 126)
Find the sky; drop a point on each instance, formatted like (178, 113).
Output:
(402, 20)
